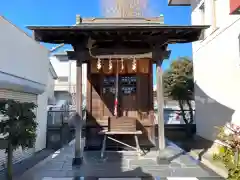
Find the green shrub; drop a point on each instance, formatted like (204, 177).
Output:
(228, 154)
(18, 126)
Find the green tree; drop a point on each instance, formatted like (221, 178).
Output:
(179, 85)
(18, 126)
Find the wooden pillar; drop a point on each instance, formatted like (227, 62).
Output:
(79, 119)
(162, 158)
(160, 106)
(79, 88)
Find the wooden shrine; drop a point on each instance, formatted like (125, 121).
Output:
(119, 53)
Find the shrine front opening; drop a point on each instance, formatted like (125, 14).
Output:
(120, 88)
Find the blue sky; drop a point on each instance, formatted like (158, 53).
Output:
(63, 12)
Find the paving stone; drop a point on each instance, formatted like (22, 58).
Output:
(186, 160)
(175, 165)
(50, 178)
(211, 178)
(41, 175)
(159, 172)
(119, 164)
(140, 178)
(182, 178)
(106, 172)
(191, 172)
(67, 167)
(119, 178)
(143, 162)
(55, 165)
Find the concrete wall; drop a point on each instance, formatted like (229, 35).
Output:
(21, 55)
(42, 121)
(42, 110)
(50, 87)
(216, 69)
(23, 58)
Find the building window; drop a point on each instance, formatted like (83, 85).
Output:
(63, 78)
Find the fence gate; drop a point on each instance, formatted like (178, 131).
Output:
(59, 132)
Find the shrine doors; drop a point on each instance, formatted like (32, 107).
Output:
(127, 100)
(128, 96)
(108, 95)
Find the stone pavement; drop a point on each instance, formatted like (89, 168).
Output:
(20, 167)
(157, 178)
(124, 165)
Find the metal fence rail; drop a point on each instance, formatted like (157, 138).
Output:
(60, 130)
(174, 116)
(57, 118)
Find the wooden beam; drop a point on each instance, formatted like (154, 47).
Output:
(86, 56)
(118, 51)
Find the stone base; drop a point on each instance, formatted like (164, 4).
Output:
(77, 161)
(162, 160)
(168, 154)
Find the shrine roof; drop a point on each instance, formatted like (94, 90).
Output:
(146, 32)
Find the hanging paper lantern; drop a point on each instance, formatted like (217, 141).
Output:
(99, 66)
(110, 64)
(122, 66)
(134, 64)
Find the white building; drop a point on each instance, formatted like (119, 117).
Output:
(25, 72)
(52, 77)
(66, 82)
(216, 61)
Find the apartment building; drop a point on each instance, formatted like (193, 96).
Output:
(216, 59)
(65, 85)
